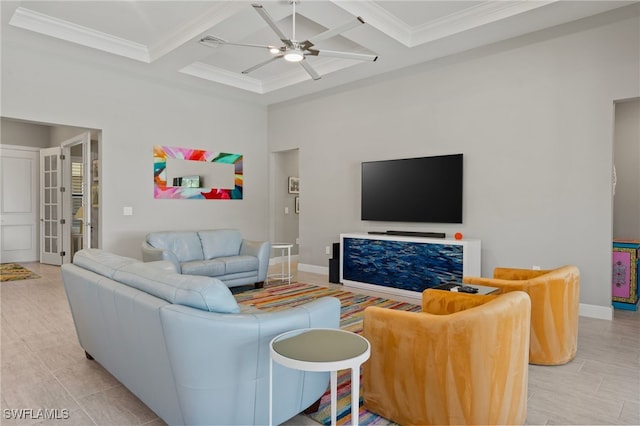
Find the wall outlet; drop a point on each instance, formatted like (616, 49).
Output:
(298, 241)
(327, 250)
(286, 210)
(127, 211)
(535, 267)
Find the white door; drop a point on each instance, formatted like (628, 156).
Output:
(51, 249)
(19, 204)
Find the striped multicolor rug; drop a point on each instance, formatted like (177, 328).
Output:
(352, 305)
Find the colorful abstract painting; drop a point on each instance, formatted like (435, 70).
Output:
(162, 190)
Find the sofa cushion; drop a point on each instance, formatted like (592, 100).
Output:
(205, 293)
(184, 244)
(207, 268)
(101, 262)
(220, 242)
(236, 264)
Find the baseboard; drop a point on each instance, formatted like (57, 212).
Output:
(584, 310)
(596, 311)
(324, 270)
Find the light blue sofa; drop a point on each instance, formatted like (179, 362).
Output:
(182, 344)
(218, 253)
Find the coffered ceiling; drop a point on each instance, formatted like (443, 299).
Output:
(162, 38)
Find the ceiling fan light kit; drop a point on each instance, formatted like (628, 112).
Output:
(293, 55)
(292, 50)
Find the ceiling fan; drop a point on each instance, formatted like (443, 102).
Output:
(293, 50)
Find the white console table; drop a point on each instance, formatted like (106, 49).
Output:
(405, 265)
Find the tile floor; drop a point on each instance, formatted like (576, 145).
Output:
(44, 367)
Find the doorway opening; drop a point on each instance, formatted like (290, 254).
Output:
(626, 162)
(64, 212)
(285, 200)
(626, 204)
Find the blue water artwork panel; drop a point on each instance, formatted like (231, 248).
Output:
(411, 266)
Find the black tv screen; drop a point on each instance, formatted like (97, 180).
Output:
(425, 189)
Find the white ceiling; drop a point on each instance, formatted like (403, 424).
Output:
(161, 38)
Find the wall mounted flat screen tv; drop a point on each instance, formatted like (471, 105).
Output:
(425, 189)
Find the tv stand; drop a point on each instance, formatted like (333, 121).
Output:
(417, 234)
(405, 265)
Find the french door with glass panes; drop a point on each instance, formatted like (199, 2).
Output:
(51, 206)
(64, 183)
(76, 206)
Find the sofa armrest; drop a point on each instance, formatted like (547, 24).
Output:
(222, 360)
(503, 285)
(441, 302)
(518, 273)
(536, 287)
(259, 249)
(152, 254)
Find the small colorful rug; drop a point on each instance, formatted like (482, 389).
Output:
(351, 315)
(15, 272)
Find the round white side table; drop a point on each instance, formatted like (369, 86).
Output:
(322, 349)
(285, 251)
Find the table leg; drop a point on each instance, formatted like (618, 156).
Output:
(334, 393)
(282, 265)
(270, 392)
(289, 265)
(355, 395)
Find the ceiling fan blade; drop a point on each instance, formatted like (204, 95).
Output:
(314, 75)
(336, 31)
(216, 41)
(261, 64)
(343, 55)
(267, 18)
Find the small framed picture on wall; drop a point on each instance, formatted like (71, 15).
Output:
(95, 200)
(94, 170)
(294, 185)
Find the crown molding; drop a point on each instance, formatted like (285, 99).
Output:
(464, 20)
(379, 18)
(44, 24)
(454, 23)
(282, 80)
(239, 81)
(194, 28)
(295, 76)
(222, 76)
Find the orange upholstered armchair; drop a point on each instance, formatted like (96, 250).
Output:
(462, 360)
(555, 297)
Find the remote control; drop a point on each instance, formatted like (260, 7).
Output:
(467, 289)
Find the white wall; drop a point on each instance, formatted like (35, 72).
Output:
(60, 134)
(24, 134)
(134, 114)
(534, 119)
(38, 135)
(626, 154)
